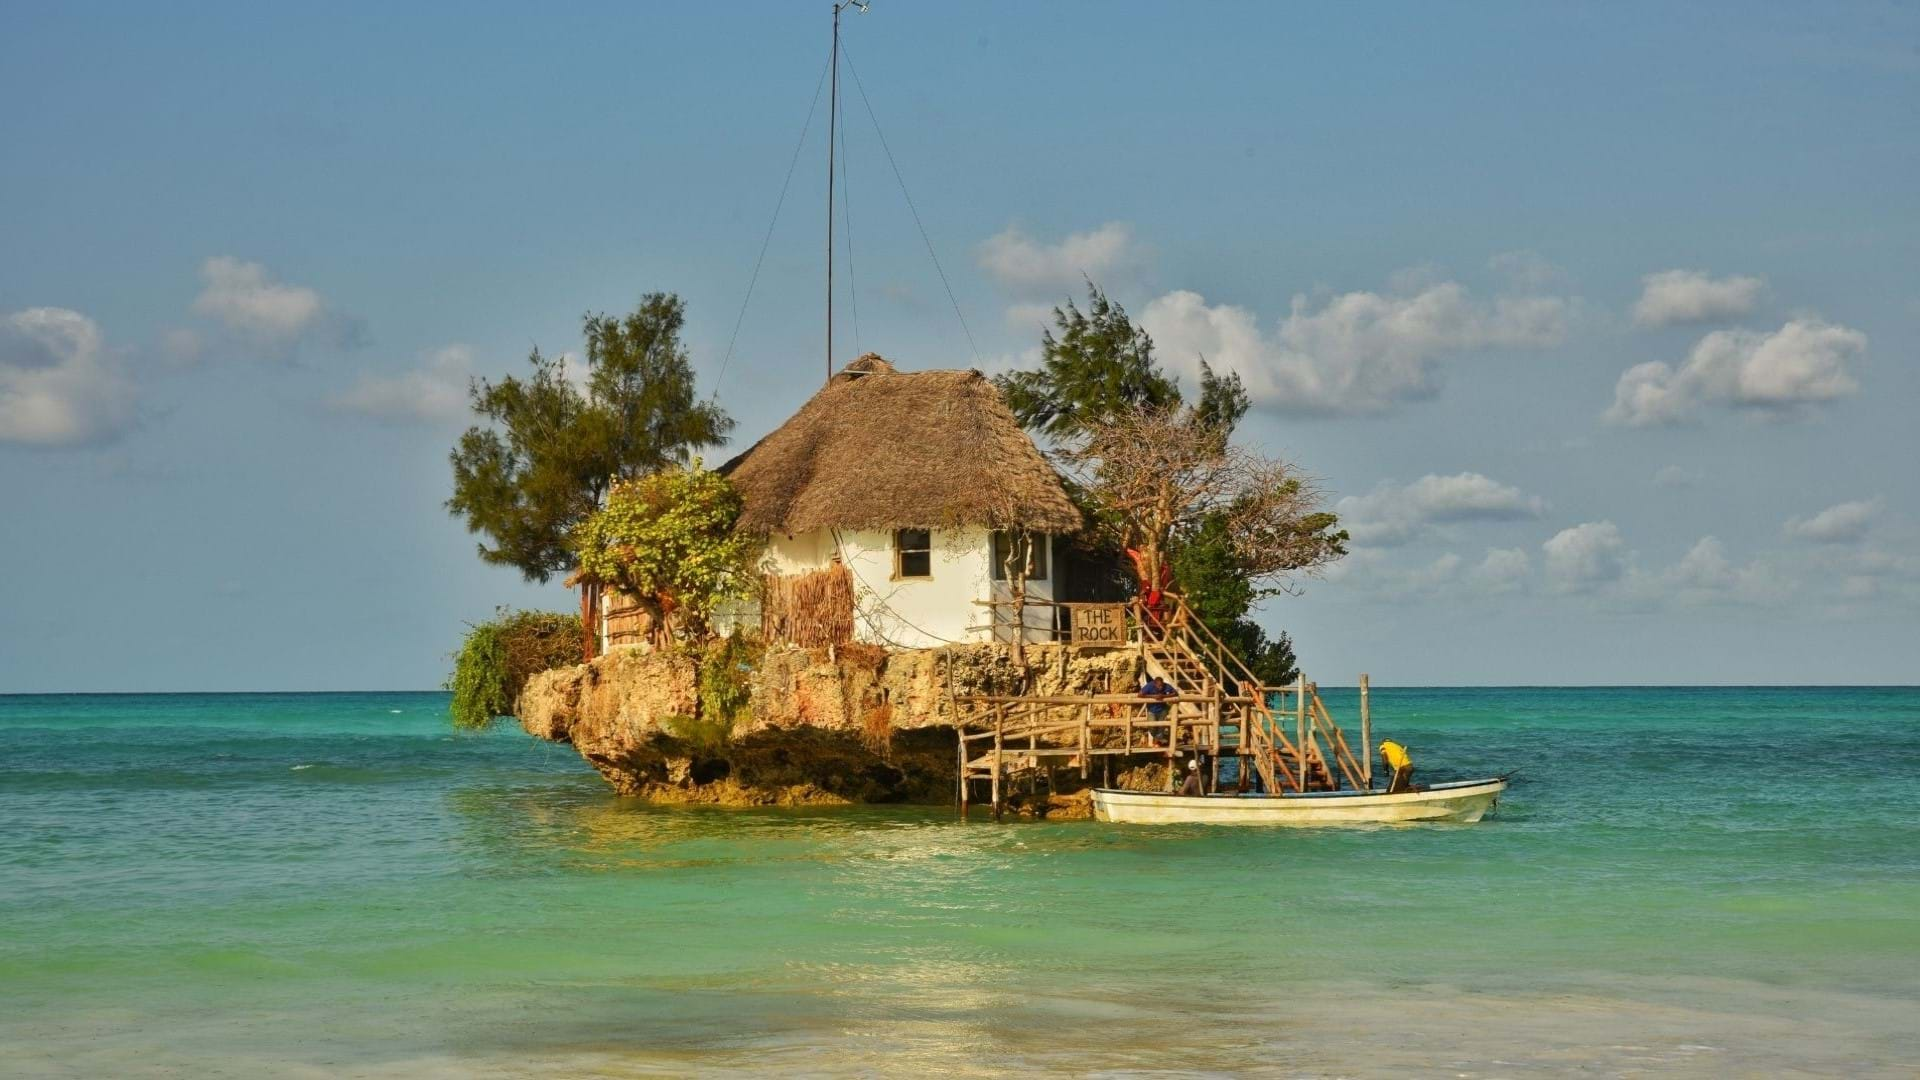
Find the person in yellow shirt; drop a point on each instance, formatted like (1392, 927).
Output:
(1400, 763)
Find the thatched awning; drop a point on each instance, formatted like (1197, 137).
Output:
(878, 448)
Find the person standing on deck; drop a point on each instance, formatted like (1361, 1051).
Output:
(1157, 690)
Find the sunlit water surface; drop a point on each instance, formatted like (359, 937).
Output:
(1686, 882)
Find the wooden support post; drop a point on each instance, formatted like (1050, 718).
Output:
(1244, 760)
(999, 723)
(962, 732)
(1086, 749)
(1366, 734)
(589, 620)
(1300, 729)
(1213, 769)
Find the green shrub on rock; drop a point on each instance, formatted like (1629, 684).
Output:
(500, 655)
(668, 540)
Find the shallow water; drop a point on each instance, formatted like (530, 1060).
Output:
(1686, 882)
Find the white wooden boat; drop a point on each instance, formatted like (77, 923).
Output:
(1460, 801)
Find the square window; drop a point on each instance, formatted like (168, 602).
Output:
(912, 553)
(1036, 555)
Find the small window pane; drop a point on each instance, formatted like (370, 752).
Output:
(913, 553)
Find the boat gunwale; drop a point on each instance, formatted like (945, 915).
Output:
(1448, 789)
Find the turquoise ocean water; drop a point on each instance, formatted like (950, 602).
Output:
(1687, 882)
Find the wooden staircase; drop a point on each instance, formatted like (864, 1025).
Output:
(1180, 648)
(1282, 734)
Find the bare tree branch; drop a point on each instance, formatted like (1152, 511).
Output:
(1156, 474)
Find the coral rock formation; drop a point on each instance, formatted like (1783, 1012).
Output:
(853, 724)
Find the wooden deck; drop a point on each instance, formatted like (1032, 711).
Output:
(1284, 735)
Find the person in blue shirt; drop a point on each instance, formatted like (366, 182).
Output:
(1157, 690)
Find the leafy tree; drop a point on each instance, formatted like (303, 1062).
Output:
(547, 451)
(1223, 401)
(668, 540)
(1271, 660)
(1160, 479)
(1098, 390)
(1099, 366)
(498, 656)
(1209, 576)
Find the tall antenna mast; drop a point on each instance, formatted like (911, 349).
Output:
(833, 122)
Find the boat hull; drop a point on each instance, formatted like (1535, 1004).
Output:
(1461, 801)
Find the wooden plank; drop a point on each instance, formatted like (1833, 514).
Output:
(999, 722)
(1300, 722)
(1086, 759)
(1094, 699)
(1366, 733)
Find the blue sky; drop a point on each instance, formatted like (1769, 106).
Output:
(1598, 324)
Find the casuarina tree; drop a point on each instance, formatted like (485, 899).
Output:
(551, 443)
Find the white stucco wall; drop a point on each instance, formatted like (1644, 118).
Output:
(915, 613)
(912, 613)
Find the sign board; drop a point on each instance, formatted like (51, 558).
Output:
(1098, 626)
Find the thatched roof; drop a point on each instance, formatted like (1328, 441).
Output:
(878, 448)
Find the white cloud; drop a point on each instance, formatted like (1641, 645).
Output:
(243, 297)
(1868, 572)
(58, 386)
(1683, 296)
(1673, 476)
(1704, 566)
(1357, 352)
(1585, 557)
(1503, 570)
(1436, 573)
(1591, 560)
(1356, 566)
(433, 392)
(1705, 575)
(1469, 495)
(1391, 515)
(996, 364)
(1020, 262)
(1804, 362)
(1841, 523)
(1372, 576)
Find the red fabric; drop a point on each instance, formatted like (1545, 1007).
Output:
(1153, 594)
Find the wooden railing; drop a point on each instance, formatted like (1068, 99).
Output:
(1003, 735)
(1172, 634)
